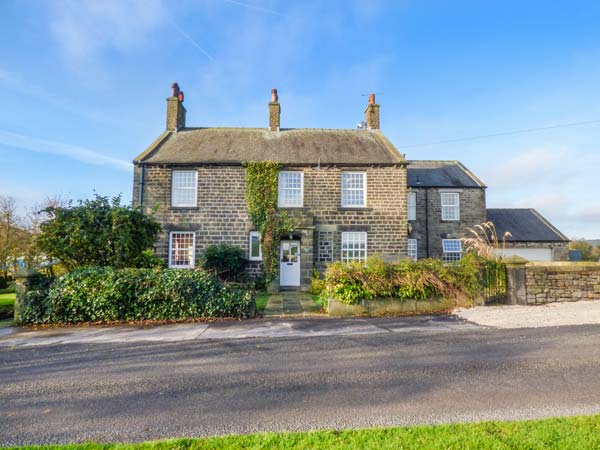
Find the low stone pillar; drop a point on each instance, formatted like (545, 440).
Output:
(516, 288)
(23, 280)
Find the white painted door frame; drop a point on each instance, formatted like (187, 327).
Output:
(289, 263)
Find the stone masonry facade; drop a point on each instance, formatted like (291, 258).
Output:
(561, 282)
(429, 229)
(221, 212)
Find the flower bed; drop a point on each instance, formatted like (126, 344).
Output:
(423, 280)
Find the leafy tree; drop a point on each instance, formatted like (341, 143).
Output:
(99, 232)
(586, 249)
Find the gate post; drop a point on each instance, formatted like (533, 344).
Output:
(516, 288)
(23, 279)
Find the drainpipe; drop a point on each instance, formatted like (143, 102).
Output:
(141, 187)
(426, 223)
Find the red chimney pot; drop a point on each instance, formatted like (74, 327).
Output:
(372, 99)
(274, 96)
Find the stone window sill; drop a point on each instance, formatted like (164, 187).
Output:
(183, 208)
(355, 208)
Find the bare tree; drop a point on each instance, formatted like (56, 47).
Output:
(9, 242)
(36, 215)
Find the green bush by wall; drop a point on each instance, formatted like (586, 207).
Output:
(418, 280)
(104, 294)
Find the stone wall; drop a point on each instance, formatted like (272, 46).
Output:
(429, 217)
(221, 214)
(530, 283)
(562, 282)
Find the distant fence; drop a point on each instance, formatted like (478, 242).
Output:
(531, 283)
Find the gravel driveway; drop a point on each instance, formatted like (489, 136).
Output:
(534, 316)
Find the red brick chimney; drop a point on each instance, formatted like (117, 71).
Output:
(372, 114)
(274, 111)
(175, 110)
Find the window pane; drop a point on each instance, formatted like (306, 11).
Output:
(452, 250)
(412, 206)
(412, 249)
(290, 188)
(353, 189)
(182, 250)
(255, 251)
(450, 206)
(183, 188)
(354, 246)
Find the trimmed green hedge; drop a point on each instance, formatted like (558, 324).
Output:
(418, 280)
(104, 294)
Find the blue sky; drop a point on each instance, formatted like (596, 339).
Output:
(83, 85)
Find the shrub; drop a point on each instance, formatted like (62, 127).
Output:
(36, 306)
(98, 232)
(227, 261)
(419, 280)
(317, 284)
(103, 294)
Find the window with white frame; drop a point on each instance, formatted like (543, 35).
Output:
(184, 188)
(452, 250)
(290, 189)
(412, 249)
(354, 189)
(354, 246)
(450, 206)
(254, 247)
(411, 204)
(182, 245)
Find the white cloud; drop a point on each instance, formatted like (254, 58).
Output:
(85, 27)
(81, 154)
(527, 167)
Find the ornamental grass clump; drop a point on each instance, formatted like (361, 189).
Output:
(418, 280)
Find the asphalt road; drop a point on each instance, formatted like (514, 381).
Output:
(142, 391)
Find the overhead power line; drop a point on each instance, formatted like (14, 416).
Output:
(502, 133)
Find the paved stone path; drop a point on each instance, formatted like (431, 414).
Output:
(291, 304)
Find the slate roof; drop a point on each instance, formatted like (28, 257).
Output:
(441, 174)
(525, 225)
(302, 146)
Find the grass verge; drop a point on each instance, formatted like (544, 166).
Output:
(7, 303)
(261, 301)
(559, 433)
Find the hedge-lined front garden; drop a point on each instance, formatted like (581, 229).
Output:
(104, 294)
(351, 283)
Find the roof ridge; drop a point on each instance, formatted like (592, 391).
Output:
(353, 130)
(552, 227)
(455, 161)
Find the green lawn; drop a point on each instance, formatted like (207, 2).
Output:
(576, 433)
(7, 302)
(7, 299)
(261, 301)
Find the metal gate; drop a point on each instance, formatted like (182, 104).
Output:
(493, 281)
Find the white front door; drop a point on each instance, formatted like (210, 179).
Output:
(289, 263)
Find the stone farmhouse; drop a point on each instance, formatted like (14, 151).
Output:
(350, 193)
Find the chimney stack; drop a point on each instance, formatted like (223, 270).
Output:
(175, 110)
(372, 114)
(274, 111)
